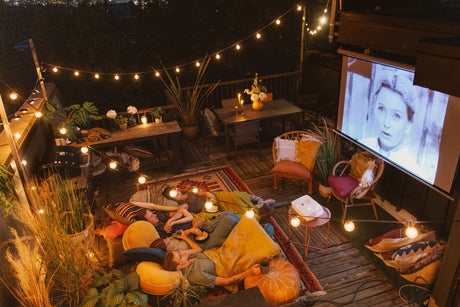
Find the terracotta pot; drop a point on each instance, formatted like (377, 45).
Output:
(257, 105)
(324, 191)
(190, 132)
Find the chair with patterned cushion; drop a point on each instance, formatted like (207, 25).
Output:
(353, 182)
(294, 156)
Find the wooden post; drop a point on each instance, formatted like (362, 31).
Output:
(37, 67)
(302, 40)
(15, 154)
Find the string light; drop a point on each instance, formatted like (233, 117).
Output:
(258, 36)
(299, 7)
(55, 69)
(113, 164)
(197, 64)
(322, 20)
(295, 222)
(141, 179)
(84, 149)
(177, 70)
(76, 73)
(17, 117)
(63, 131)
(217, 56)
(157, 74)
(96, 76)
(411, 231)
(24, 162)
(195, 189)
(136, 76)
(238, 47)
(349, 226)
(13, 96)
(250, 213)
(38, 114)
(278, 22)
(41, 211)
(17, 136)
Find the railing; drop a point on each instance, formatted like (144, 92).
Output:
(284, 85)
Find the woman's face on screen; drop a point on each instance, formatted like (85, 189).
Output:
(391, 119)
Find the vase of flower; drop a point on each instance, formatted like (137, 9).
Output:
(132, 110)
(258, 93)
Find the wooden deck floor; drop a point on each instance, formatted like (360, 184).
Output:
(343, 271)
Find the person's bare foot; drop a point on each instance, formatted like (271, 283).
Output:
(199, 222)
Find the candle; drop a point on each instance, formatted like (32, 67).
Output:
(239, 98)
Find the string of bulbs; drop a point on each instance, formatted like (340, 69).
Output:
(411, 230)
(217, 55)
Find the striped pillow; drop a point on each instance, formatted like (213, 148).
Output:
(125, 213)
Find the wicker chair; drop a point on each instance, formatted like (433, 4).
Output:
(293, 169)
(347, 189)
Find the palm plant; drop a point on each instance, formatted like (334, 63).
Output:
(191, 102)
(328, 153)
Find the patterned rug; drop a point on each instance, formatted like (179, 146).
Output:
(225, 179)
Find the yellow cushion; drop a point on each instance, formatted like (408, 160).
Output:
(156, 280)
(307, 150)
(139, 234)
(359, 164)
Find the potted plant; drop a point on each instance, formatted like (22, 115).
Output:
(121, 121)
(185, 295)
(190, 103)
(157, 114)
(328, 156)
(258, 93)
(116, 289)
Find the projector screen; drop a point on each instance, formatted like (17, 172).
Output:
(413, 128)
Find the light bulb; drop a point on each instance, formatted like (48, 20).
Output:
(113, 165)
(349, 226)
(322, 20)
(13, 96)
(55, 69)
(96, 76)
(41, 211)
(238, 47)
(136, 76)
(141, 179)
(411, 231)
(197, 64)
(144, 120)
(116, 77)
(318, 27)
(217, 56)
(173, 193)
(38, 114)
(17, 136)
(84, 149)
(325, 10)
(76, 73)
(157, 74)
(208, 205)
(299, 7)
(258, 35)
(63, 131)
(278, 21)
(250, 213)
(195, 189)
(177, 69)
(24, 162)
(295, 222)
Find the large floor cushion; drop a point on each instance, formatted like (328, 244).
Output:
(139, 234)
(155, 280)
(280, 286)
(291, 169)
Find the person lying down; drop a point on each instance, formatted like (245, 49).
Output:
(190, 205)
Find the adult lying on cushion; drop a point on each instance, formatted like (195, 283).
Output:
(217, 230)
(237, 201)
(200, 269)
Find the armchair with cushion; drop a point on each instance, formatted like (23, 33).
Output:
(353, 182)
(294, 156)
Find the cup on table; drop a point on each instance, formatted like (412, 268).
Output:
(265, 266)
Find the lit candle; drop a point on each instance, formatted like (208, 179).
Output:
(239, 98)
(144, 120)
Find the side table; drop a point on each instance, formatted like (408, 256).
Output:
(324, 218)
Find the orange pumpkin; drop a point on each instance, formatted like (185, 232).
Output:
(257, 105)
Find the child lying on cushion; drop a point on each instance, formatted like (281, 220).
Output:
(201, 270)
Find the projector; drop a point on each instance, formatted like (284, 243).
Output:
(307, 208)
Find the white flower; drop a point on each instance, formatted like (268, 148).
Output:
(111, 114)
(131, 110)
(257, 91)
(262, 96)
(254, 97)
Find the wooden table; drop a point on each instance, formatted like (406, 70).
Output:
(324, 218)
(143, 132)
(279, 108)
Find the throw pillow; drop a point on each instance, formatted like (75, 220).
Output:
(342, 186)
(115, 229)
(139, 254)
(122, 212)
(212, 122)
(307, 150)
(139, 234)
(291, 169)
(396, 238)
(359, 164)
(156, 280)
(286, 149)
